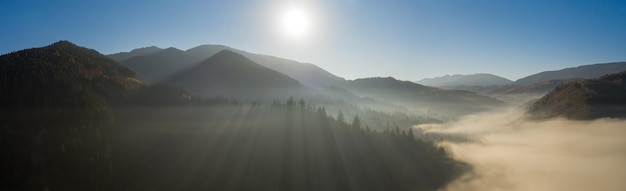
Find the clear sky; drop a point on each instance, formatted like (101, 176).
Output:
(406, 39)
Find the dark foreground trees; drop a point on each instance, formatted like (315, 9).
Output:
(221, 145)
(277, 147)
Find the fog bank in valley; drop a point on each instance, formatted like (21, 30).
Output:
(508, 152)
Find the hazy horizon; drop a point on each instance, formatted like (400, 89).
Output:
(408, 40)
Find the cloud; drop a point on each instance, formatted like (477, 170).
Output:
(511, 153)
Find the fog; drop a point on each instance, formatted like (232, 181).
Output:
(508, 152)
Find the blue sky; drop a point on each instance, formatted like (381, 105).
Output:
(406, 39)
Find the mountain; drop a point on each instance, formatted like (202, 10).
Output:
(586, 99)
(419, 97)
(586, 72)
(230, 74)
(308, 74)
(64, 73)
(136, 52)
(465, 80)
(156, 67)
(54, 105)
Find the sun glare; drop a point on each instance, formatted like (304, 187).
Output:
(295, 22)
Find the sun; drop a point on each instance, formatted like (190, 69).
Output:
(295, 22)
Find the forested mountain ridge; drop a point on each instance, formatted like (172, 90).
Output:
(54, 107)
(63, 67)
(586, 99)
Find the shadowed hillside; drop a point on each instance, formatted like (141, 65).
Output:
(308, 74)
(156, 67)
(587, 99)
(54, 107)
(230, 74)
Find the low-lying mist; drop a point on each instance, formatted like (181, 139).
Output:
(508, 152)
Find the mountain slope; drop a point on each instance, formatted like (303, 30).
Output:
(53, 107)
(58, 70)
(587, 99)
(465, 80)
(308, 74)
(136, 52)
(586, 71)
(156, 67)
(232, 75)
(451, 102)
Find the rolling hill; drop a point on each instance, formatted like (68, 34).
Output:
(586, 99)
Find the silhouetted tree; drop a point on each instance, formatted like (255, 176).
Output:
(356, 122)
(340, 117)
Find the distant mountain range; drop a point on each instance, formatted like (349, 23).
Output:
(143, 61)
(215, 70)
(465, 80)
(586, 99)
(582, 72)
(451, 102)
(540, 83)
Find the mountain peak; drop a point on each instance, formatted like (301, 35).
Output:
(63, 44)
(228, 56)
(226, 52)
(228, 73)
